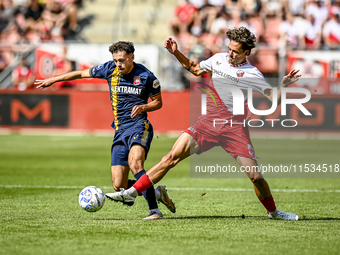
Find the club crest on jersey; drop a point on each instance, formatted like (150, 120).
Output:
(240, 73)
(155, 84)
(136, 80)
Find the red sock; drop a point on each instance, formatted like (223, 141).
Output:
(269, 204)
(142, 184)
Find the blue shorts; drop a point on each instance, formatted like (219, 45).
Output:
(141, 133)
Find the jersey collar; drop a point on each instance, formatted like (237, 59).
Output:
(242, 64)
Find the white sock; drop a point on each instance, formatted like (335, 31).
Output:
(132, 192)
(274, 213)
(155, 211)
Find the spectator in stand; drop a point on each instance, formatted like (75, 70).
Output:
(207, 14)
(54, 18)
(9, 33)
(71, 9)
(23, 76)
(220, 23)
(218, 28)
(331, 31)
(232, 5)
(7, 12)
(241, 19)
(335, 7)
(311, 33)
(295, 7)
(33, 24)
(289, 32)
(205, 17)
(185, 14)
(272, 8)
(9, 38)
(318, 9)
(251, 7)
(33, 15)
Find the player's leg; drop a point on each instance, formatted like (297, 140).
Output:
(136, 163)
(262, 189)
(120, 176)
(120, 167)
(183, 148)
(250, 167)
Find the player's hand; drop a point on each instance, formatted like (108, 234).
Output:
(171, 45)
(290, 78)
(41, 84)
(137, 109)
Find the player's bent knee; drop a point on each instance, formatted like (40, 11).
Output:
(135, 168)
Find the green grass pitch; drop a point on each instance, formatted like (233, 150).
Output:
(41, 177)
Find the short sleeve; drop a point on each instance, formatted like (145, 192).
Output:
(206, 65)
(153, 85)
(101, 71)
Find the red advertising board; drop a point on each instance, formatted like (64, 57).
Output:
(319, 70)
(83, 110)
(46, 63)
(91, 111)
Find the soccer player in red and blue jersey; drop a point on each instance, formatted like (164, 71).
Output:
(131, 85)
(227, 69)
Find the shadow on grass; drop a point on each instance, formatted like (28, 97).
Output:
(213, 217)
(199, 217)
(303, 218)
(319, 218)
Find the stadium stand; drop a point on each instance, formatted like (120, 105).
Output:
(198, 25)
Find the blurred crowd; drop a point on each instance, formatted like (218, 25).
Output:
(24, 22)
(295, 24)
(36, 21)
(200, 26)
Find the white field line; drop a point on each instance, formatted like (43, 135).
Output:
(300, 135)
(177, 188)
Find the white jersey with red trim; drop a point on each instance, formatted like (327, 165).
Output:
(225, 76)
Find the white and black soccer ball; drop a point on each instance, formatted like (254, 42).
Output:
(91, 199)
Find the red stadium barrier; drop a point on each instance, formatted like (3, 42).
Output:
(83, 110)
(90, 111)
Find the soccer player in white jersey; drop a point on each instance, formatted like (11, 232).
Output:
(226, 68)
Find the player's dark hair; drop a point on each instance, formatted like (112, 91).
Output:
(122, 46)
(244, 36)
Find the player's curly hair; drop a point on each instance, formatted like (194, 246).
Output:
(244, 36)
(122, 46)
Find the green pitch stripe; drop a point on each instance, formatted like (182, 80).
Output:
(176, 188)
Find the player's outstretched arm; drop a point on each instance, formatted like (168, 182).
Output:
(41, 84)
(287, 80)
(171, 45)
(155, 104)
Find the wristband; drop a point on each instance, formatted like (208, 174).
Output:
(192, 62)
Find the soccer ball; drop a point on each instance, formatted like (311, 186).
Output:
(91, 199)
